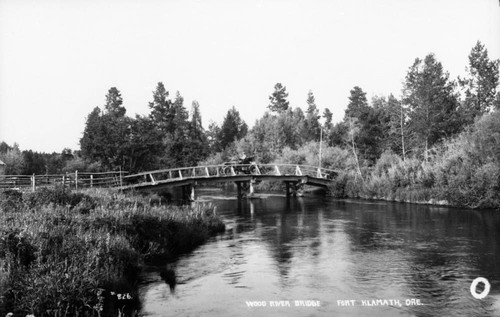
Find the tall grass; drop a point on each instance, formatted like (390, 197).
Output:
(69, 254)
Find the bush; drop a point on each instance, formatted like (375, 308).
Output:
(338, 186)
(11, 201)
(59, 196)
(387, 160)
(475, 188)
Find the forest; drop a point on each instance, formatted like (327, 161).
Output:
(437, 143)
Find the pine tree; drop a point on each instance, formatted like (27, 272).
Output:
(358, 104)
(161, 109)
(233, 128)
(312, 127)
(480, 86)
(107, 133)
(197, 141)
(432, 103)
(278, 102)
(114, 103)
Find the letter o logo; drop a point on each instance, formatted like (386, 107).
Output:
(486, 288)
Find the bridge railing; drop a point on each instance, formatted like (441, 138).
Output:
(226, 170)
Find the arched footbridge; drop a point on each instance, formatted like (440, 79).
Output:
(243, 175)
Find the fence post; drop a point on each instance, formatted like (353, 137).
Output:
(91, 180)
(33, 185)
(63, 181)
(76, 179)
(121, 180)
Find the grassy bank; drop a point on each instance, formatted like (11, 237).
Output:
(461, 172)
(79, 254)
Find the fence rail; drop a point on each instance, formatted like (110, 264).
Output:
(74, 180)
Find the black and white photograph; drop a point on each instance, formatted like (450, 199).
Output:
(249, 158)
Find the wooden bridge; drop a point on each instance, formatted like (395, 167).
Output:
(245, 176)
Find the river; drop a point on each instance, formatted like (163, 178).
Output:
(316, 256)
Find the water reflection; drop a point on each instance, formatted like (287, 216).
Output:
(327, 250)
(167, 274)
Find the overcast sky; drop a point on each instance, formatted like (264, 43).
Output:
(59, 58)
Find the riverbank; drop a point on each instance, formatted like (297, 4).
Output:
(351, 188)
(442, 181)
(68, 254)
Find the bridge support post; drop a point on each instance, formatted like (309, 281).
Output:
(245, 188)
(188, 192)
(293, 188)
(239, 185)
(250, 187)
(191, 195)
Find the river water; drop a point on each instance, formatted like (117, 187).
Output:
(316, 256)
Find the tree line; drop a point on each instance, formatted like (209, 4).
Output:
(433, 109)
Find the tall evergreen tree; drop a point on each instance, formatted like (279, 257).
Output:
(176, 138)
(432, 103)
(328, 126)
(278, 102)
(358, 104)
(312, 127)
(197, 141)
(328, 115)
(213, 133)
(480, 86)
(393, 123)
(93, 142)
(366, 122)
(180, 117)
(114, 103)
(107, 133)
(162, 113)
(233, 128)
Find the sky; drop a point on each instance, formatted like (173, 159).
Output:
(59, 58)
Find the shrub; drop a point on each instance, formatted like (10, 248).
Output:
(10, 201)
(387, 160)
(338, 186)
(59, 196)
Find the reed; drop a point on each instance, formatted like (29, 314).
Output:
(68, 254)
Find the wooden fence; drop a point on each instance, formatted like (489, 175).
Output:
(76, 180)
